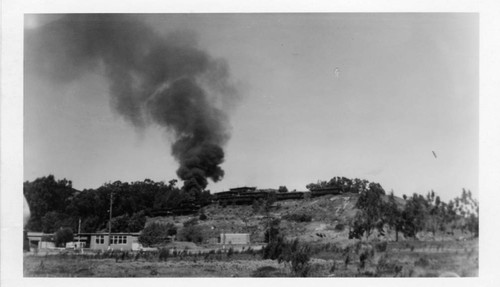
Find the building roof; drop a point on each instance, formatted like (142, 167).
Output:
(112, 233)
(243, 188)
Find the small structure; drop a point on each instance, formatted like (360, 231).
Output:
(75, 245)
(40, 240)
(235, 238)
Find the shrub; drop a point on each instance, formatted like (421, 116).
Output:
(362, 260)
(274, 249)
(256, 205)
(381, 247)
(422, 262)
(192, 233)
(137, 221)
(272, 232)
(299, 256)
(298, 217)
(295, 253)
(163, 254)
(191, 222)
(339, 227)
(157, 233)
(266, 271)
(62, 236)
(203, 216)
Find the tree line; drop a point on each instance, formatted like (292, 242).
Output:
(415, 214)
(55, 204)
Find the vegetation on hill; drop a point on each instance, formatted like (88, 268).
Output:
(345, 184)
(55, 204)
(363, 210)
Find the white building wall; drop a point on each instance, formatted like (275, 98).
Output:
(235, 238)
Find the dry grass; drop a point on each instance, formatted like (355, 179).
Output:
(400, 259)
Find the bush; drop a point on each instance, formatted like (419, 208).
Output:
(163, 254)
(381, 247)
(192, 233)
(62, 236)
(137, 221)
(299, 256)
(157, 233)
(339, 227)
(203, 216)
(422, 262)
(191, 222)
(267, 271)
(298, 217)
(272, 232)
(274, 249)
(295, 253)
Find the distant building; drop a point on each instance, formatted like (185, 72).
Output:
(235, 238)
(40, 240)
(243, 189)
(95, 241)
(119, 241)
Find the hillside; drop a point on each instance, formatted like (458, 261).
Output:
(329, 218)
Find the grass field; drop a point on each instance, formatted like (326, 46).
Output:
(392, 259)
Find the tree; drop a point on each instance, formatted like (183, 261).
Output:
(46, 194)
(257, 205)
(120, 223)
(472, 224)
(296, 254)
(137, 222)
(414, 215)
(126, 223)
(468, 209)
(342, 183)
(371, 211)
(157, 233)
(62, 236)
(192, 233)
(53, 220)
(392, 215)
(274, 248)
(282, 189)
(92, 224)
(273, 230)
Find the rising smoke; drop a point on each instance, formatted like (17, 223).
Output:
(164, 80)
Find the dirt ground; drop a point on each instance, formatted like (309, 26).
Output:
(53, 266)
(398, 259)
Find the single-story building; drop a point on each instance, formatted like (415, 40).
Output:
(119, 241)
(96, 241)
(40, 240)
(234, 238)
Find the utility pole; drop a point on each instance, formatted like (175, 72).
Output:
(110, 216)
(79, 225)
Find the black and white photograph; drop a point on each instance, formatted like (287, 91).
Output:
(250, 145)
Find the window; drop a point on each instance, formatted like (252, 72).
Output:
(99, 239)
(118, 239)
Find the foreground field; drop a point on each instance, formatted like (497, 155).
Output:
(394, 259)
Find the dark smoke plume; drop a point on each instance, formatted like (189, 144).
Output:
(167, 80)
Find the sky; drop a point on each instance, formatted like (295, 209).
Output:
(407, 85)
